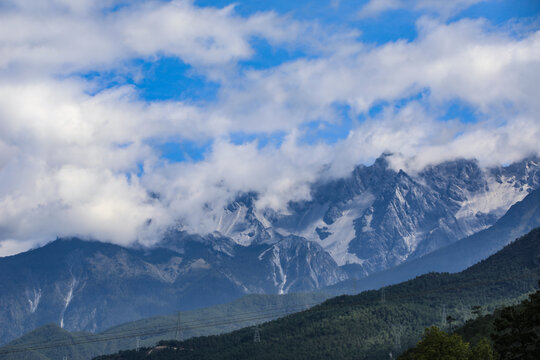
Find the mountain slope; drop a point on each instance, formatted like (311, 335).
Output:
(372, 220)
(365, 326)
(248, 310)
(91, 286)
(520, 219)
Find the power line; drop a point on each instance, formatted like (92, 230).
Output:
(197, 325)
(126, 336)
(268, 313)
(156, 331)
(130, 334)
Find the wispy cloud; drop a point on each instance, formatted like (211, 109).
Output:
(444, 9)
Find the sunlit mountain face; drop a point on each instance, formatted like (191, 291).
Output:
(160, 155)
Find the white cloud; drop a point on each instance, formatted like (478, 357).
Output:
(463, 60)
(69, 160)
(445, 9)
(62, 36)
(375, 7)
(196, 192)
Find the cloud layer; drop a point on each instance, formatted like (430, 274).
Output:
(77, 158)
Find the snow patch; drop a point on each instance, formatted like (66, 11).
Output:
(235, 281)
(260, 257)
(229, 219)
(264, 221)
(34, 300)
(342, 230)
(67, 300)
(236, 225)
(200, 264)
(500, 197)
(281, 280)
(342, 233)
(283, 277)
(368, 227)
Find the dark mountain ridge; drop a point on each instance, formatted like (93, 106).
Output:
(91, 286)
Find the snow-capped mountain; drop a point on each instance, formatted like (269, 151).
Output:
(374, 219)
(242, 222)
(379, 217)
(522, 217)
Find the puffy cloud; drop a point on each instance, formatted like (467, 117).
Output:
(77, 161)
(197, 192)
(464, 60)
(78, 201)
(417, 139)
(65, 36)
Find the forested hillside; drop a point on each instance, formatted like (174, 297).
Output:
(373, 324)
(52, 342)
(511, 332)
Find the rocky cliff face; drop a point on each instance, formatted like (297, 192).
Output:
(379, 217)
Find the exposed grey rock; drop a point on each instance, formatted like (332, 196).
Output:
(379, 217)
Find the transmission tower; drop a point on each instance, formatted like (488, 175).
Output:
(179, 335)
(138, 343)
(257, 335)
(383, 296)
(443, 315)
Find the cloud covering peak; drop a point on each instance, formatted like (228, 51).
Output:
(84, 151)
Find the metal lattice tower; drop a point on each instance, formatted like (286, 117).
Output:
(257, 335)
(383, 296)
(179, 334)
(138, 343)
(443, 315)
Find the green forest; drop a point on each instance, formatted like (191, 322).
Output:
(512, 332)
(383, 323)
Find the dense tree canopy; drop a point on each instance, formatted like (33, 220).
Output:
(438, 345)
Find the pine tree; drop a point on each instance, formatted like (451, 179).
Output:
(517, 330)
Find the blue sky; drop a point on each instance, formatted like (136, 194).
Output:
(165, 78)
(104, 103)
